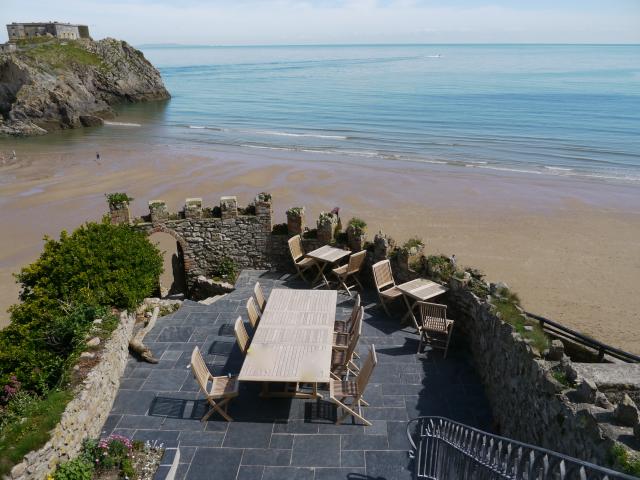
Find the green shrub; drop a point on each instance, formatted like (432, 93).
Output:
(98, 263)
(439, 267)
(624, 460)
(280, 229)
(226, 269)
(76, 469)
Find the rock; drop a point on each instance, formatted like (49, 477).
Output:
(18, 470)
(586, 391)
(97, 321)
(91, 121)
(636, 432)
(94, 342)
(602, 401)
(627, 412)
(205, 288)
(76, 87)
(567, 368)
(498, 287)
(88, 355)
(556, 350)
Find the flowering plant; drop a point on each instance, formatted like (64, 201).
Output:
(10, 390)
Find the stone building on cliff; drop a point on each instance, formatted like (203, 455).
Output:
(68, 31)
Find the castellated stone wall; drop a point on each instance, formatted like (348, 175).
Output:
(86, 413)
(528, 404)
(207, 236)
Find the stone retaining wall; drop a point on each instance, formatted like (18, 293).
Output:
(86, 413)
(527, 402)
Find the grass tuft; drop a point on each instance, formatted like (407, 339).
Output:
(508, 311)
(19, 437)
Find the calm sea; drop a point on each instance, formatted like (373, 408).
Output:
(546, 109)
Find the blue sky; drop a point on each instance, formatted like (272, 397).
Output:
(242, 22)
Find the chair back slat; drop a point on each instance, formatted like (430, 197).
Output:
(382, 274)
(200, 370)
(252, 312)
(242, 337)
(355, 262)
(367, 369)
(260, 298)
(295, 247)
(354, 336)
(354, 312)
(433, 315)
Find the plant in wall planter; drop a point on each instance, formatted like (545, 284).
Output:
(118, 200)
(295, 220)
(356, 234)
(327, 223)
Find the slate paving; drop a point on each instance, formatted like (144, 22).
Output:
(288, 438)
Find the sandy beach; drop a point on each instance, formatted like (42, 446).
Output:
(568, 246)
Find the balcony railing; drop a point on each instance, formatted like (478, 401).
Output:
(449, 450)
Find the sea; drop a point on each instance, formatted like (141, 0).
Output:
(568, 110)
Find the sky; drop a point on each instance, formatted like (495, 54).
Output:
(265, 22)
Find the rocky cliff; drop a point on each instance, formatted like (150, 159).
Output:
(53, 85)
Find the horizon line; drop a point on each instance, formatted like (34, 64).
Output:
(282, 45)
(409, 44)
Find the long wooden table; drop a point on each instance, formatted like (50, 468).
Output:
(419, 290)
(293, 341)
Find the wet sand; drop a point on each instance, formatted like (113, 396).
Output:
(569, 247)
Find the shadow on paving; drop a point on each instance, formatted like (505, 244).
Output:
(289, 438)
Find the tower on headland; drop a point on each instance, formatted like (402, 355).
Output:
(68, 31)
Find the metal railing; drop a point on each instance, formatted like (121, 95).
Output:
(447, 450)
(558, 330)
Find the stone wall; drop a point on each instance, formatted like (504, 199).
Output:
(85, 415)
(528, 403)
(206, 236)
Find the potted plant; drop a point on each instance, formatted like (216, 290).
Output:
(327, 223)
(356, 233)
(119, 207)
(295, 220)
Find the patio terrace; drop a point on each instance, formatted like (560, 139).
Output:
(288, 438)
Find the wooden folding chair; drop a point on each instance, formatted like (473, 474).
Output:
(260, 298)
(344, 326)
(222, 388)
(242, 337)
(351, 269)
(385, 284)
(435, 328)
(341, 390)
(341, 339)
(253, 313)
(342, 358)
(301, 262)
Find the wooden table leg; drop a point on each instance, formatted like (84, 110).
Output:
(409, 313)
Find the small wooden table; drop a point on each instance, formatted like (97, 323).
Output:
(293, 341)
(326, 255)
(419, 290)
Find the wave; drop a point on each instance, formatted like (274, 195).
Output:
(309, 135)
(122, 124)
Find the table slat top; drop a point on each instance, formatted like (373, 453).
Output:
(328, 254)
(422, 289)
(294, 338)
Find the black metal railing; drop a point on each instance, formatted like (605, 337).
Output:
(449, 450)
(560, 331)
